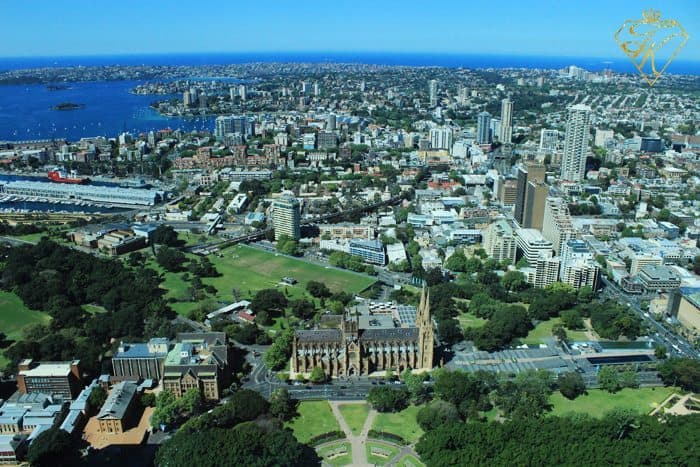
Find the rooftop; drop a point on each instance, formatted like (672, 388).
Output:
(118, 401)
(49, 370)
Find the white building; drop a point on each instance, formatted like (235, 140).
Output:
(533, 245)
(506, 133)
(573, 164)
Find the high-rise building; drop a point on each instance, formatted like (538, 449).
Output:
(556, 225)
(483, 128)
(545, 272)
(331, 122)
(533, 245)
(506, 133)
(507, 192)
(529, 173)
(243, 91)
(363, 86)
(573, 165)
(286, 216)
(499, 241)
(317, 89)
(578, 268)
(433, 91)
(549, 140)
(441, 138)
(186, 99)
(535, 197)
(226, 124)
(232, 92)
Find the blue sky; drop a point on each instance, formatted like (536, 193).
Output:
(525, 27)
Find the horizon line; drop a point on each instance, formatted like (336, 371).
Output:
(329, 52)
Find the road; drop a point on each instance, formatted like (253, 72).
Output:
(675, 344)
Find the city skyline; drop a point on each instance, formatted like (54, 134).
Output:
(392, 27)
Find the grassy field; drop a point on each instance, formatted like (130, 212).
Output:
(598, 402)
(248, 270)
(380, 460)
(410, 461)
(345, 459)
(468, 320)
(544, 329)
(400, 423)
(355, 416)
(315, 418)
(14, 317)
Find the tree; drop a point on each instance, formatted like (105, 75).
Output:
(318, 289)
(436, 413)
(302, 309)
(609, 379)
(388, 399)
(277, 356)
(572, 319)
(660, 352)
(418, 391)
(571, 384)
(683, 372)
(268, 300)
(456, 262)
(317, 375)
(449, 331)
(527, 396)
(53, 447)
(170, 258)
(559, 332)
(514, 281)
(97, 397)
(282, 405)
(629, 379)
(165, 235)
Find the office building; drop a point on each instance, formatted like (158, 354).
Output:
(556, 223)
(659, 278)
(602, 137)
(60, 379)
(641, 260)
(533, 245)
(327, 140)
(529, 173)
(371, 251)
(286, 217)
(433, 92)
(533, 213)
(441, 138)
(120, 410)
(243, 92)
(573, 165)
(186, 99)
(331, 122)
(507, 191)
(226, 124)
(506, 134)
(483, 128)
(578, 268)
(499, 241)
(549, 140)
(140, 360)
(199, 360)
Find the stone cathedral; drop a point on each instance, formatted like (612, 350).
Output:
(368, 339)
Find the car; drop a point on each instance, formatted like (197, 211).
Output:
(343, 387)
(309, 387)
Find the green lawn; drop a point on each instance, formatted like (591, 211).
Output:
(410, 461)
(380, 460)
(469, 320)
(598, 402)
(345, 459)
(355, 416)
(544, 329)
(14, 317)
(400, 423)
(315, 418)
(248, 270)
(94, 309)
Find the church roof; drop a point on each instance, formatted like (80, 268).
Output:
(389, 334)
(319, 335)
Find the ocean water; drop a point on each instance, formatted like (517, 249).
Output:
(26, 110)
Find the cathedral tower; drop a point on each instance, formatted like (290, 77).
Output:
(426, 334)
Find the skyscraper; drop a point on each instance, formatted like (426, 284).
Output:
(526, 174)
(556, 225)
(433, 90)
(286, 216)
(441, 138)
(483, 128)
(573, 164)
(331, 122)
(535, 197)
(506, 134)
